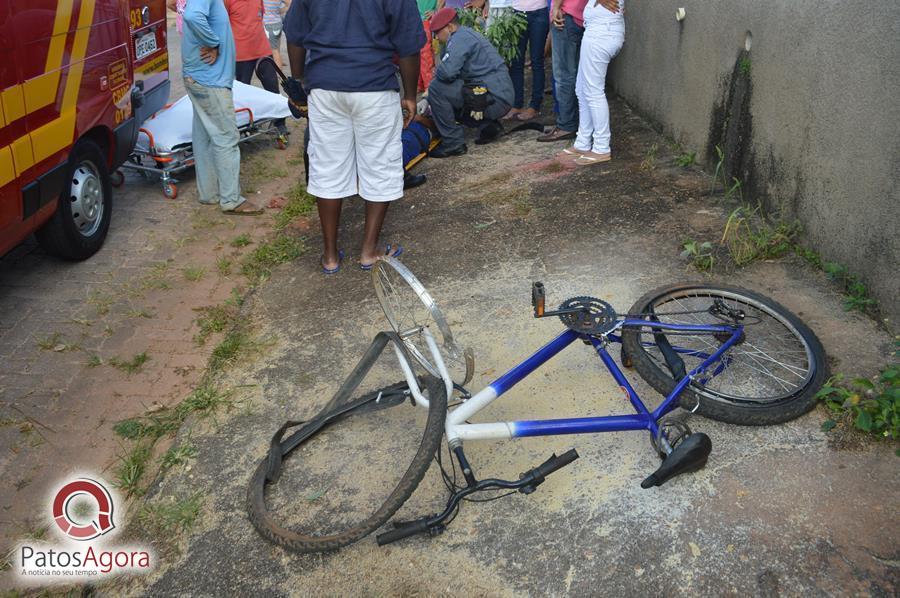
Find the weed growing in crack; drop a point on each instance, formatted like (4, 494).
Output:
(165, 517)
(193, 273)
(686, 159)
(701, 254)
(299, 203)
(241, 240)
(283, 248)
(131, 468)
(177, 455)
(132, 365)
(649, 162)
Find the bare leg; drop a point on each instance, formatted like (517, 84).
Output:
(375, 211)
(330, 217)
(276, 56)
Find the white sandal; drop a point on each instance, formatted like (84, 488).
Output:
(589, 158)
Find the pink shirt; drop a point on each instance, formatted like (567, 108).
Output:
(575, 8)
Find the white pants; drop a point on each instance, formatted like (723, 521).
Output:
(354, 145)
(598, 48)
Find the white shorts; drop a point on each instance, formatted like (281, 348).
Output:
(354, 145)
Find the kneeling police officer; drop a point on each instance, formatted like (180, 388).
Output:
(471, 85)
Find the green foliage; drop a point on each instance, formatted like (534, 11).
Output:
(131, 366)
(241, 240)
(744, 66)
(857, 294)
(701, 254)
(811, 257)
(471, 17)
(171, 516)
(203, 399)
(649, 162)
(504, 34)
(749, 238)
(686, 159)
(215, 318)
(131, 468)
(193, 273)
(299, 203)
(283, 248)
(873, 406)
(177, 455)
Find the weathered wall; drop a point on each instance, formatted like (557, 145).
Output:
(819, 139)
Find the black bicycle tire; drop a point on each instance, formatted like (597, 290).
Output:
(720, 409)
(269, 529)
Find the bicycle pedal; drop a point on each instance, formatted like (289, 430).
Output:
(690, 455)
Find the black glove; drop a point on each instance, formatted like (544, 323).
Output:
(296, 97)
(475, 100)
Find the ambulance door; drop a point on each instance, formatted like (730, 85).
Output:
(12, 128)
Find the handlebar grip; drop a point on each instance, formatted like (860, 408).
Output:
(411, 529)
(554, 463)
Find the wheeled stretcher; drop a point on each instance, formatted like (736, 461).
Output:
(164, 146)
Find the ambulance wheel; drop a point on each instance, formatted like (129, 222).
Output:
(170, 190)
(117, 178)
(84, 208)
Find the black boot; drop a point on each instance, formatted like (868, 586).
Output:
(411, 181)
(442, 152)
(489, 132)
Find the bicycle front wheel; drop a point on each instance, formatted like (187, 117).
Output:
(770, 376)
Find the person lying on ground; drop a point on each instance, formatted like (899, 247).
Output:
(471, 84)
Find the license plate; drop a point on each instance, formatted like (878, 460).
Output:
(145, 45)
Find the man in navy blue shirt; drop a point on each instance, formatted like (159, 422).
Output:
(343, 51)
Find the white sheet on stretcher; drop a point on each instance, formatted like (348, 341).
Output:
(171, 127)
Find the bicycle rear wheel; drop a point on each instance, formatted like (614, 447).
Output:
(343, 480)
(410, 309)
(771, 374)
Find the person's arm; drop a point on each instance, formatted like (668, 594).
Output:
(557, 17)
(407, 36)
(297, 58)
(453, 61)
(171, 5)
(196, 18)
(610, 5)
(285, 6)
(296, 28)
(409, 76)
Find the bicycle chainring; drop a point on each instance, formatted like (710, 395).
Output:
(596, 318)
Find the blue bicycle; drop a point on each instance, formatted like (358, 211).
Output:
(727, 353)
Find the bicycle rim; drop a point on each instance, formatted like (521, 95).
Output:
(772, 363)
(410, 308)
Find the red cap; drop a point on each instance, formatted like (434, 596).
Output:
(442, 18)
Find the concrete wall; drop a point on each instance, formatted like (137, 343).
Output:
(819, 139)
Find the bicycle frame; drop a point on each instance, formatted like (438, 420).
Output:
(457, 430)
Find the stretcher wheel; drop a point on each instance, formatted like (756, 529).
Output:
(117, 178)
(170, 190)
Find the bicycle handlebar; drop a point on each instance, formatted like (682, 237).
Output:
(554, 463)
(419, 526)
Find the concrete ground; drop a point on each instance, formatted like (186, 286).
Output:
(778, 510)
(66, 329)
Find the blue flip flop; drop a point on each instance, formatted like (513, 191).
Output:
(337, 268)
(389, 250)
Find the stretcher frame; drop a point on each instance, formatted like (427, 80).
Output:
(166, 164)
